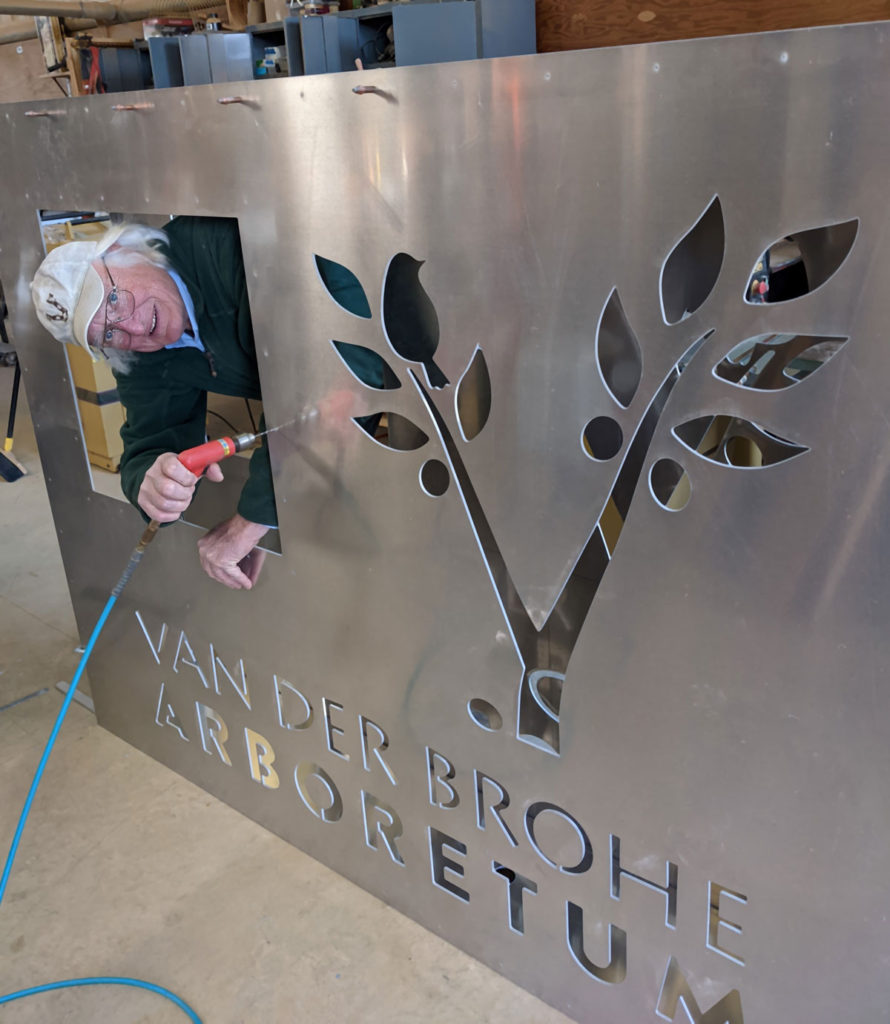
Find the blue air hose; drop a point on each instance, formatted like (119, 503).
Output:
(135, 559)
(132, 982)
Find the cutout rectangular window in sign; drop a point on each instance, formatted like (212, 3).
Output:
(152, 371)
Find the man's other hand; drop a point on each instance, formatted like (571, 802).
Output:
(229, 553)
(168, 488)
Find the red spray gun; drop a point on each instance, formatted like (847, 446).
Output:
(196, 460)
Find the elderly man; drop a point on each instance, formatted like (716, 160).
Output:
(169, 309)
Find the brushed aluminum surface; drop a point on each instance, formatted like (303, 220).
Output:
(670, 800)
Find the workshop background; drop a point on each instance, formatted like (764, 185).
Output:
(124, 861)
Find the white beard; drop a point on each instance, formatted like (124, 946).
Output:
(121, 362)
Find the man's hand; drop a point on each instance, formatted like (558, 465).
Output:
(168, 488)
(229, 554)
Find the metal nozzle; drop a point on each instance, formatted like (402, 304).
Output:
(244, 441)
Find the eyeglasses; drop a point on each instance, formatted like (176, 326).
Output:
(118, 306)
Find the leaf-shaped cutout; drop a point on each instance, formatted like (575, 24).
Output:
(618, 353)
(691, 270)
(398, 433)
(410, 322)
(670, 484)
(343, 287)
(368, 366)
(798, 264)
(772, 362)
(473, 399)
(731, 441)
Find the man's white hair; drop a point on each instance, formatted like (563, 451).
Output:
(138, 243)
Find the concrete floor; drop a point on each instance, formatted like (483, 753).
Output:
(127, 869)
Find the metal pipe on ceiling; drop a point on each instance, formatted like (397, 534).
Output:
(17, 31)
(22, 30)
(58, 9)
(107, 13)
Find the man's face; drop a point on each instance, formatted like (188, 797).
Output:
(142, 312)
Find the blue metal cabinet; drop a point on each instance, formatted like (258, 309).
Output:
(293, 34)
(506, 27)
(166, 61)
(433, 33)
(231, 56)
(422, 33)
(195, 58)
(124, 70)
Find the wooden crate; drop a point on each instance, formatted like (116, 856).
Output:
(101, 430)
(101, 413)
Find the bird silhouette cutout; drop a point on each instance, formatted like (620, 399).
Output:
(409, 317)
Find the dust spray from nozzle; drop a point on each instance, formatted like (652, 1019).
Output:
(197, 459)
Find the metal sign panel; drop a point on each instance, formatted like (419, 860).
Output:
(584, 666)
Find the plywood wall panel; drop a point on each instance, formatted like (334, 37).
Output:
(577, 24)
(21, 67)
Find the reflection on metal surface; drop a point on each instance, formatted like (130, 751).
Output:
(611, 752)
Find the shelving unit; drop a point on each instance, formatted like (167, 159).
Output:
(387, 35)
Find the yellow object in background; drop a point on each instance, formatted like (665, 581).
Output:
(101, 413)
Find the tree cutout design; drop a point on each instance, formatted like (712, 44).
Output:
(602, 438)
(402, 435)
(732, 441)
(434, 478)
(691, 270)
(368, 366)
(689, 275)
(821, 253)
(670, 484)
(618, 353)
(343, 287)
(409, 317)
(772, 362)
(473, 397)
